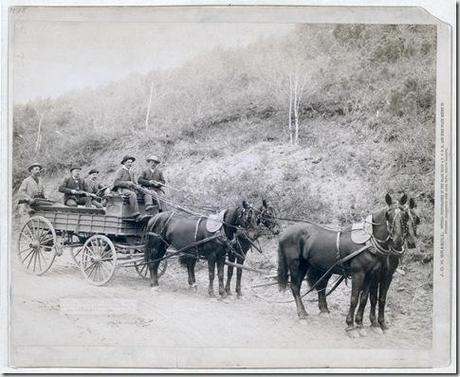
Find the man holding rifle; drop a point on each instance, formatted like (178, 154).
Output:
(75, 189)
(31, 188)
(152, 179)
(125, 183)
(94, 187)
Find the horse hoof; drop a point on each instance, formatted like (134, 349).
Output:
(325, 314)
(239, 295)
(362, 332)
(352, 332)
(303, 316)
(155, 289)
(193, 287)
(376, 330)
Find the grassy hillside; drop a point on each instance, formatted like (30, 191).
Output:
(367, 124)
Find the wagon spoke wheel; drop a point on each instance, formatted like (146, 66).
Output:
(37, 245)
(143, 270)
(76, 253)
(98, 259)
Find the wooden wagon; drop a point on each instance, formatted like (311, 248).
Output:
(100, 240)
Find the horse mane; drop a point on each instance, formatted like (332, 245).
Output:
(229, 220)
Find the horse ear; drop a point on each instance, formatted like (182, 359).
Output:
(412, 204)
(388, 199)
(264, 203)
(245, 204)
(403, 199)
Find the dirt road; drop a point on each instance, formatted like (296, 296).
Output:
(59, 319)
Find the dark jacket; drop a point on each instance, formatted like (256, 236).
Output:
(93, 186)
(71, 183)
(149, 175)
(123, 177)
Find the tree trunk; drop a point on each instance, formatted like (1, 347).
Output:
(290, 110)
(147, 116)
(39, 133)
(296, 110)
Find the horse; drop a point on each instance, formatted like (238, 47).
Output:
(265, 219)
(378, 287)
(172, 229)
(312, 250)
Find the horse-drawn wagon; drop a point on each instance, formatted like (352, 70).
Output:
(100, 240)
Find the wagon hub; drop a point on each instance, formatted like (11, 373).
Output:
(35, 245)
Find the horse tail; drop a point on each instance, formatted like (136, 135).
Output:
(152, 240)
(283, 271)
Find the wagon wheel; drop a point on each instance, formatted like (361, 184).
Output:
(98, 259)
(76, 253)
(143, 271)
(37, 245)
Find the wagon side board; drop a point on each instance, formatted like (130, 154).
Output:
(81, 222)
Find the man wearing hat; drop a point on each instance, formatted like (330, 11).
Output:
(125, 183)
(32, 188)
(74, 188)
(94, 187)
(152, 179)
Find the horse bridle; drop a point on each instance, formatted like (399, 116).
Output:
(391, 230)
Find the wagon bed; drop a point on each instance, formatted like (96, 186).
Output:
(99, 239)
(88, 220)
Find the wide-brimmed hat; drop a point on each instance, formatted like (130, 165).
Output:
(92, 171)
(74, 167)
(153, 158)
(33, 165)
(126, 158)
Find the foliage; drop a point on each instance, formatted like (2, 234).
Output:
(366, 115)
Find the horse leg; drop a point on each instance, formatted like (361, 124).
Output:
(297, 271)
(239, 273)
(362, 303)
(373, 291)
(313, 276)
(356, 287)
(220, 274)
(190, 274)
(231, 258)
(211, 268)
(192, 271)
(383, 289)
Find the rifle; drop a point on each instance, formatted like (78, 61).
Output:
(38, 201)
(85, 193)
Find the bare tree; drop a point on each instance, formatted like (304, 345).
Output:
(149, 105)
(38, 139)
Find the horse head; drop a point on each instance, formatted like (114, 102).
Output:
(266, 217)
(242, 217)
(402, 222)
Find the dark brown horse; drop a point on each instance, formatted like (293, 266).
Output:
(267, 223)
(315, 250)
(378, 287)
(179, 231)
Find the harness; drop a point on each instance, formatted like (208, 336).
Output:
(196, 235)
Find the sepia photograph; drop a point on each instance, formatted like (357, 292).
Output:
(204, 188)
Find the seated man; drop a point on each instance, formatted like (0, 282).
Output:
(30, 191)
(125, 183)
(75, 189)
(32, 188)
(95, 188)
(152, 179)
